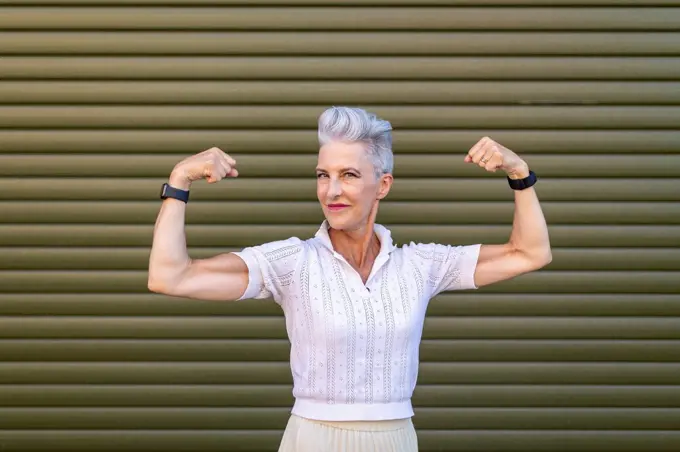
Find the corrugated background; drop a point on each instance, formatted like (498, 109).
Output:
(97, 103)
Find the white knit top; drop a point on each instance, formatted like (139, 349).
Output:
(354, 347)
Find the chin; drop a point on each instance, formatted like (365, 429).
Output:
(342, 222)
(336, 223)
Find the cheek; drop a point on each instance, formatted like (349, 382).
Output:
(352, 192)
(363, 195)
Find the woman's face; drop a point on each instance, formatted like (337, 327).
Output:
(346, 185)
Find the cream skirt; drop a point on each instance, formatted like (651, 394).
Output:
(305, 435)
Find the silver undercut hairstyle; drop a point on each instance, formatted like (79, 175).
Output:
(353, 125)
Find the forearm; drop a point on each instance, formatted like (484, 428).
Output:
(169, 257)
(529, 234)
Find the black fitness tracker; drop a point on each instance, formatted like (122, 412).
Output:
(521, 184)
(168, 191)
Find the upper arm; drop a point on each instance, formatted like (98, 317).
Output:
(499, 263)
(223, 277)
(260, 271)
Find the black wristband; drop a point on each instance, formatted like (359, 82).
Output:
(167, 191)
(521, 184)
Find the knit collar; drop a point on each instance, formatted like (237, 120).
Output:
(384, 235)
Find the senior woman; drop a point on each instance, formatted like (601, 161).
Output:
(354, 302)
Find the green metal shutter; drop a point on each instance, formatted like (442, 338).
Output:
(99, 102)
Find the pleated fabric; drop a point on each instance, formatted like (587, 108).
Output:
(306, 435)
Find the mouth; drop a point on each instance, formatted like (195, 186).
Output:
(337, 207)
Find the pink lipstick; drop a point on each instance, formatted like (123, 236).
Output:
(337, 207)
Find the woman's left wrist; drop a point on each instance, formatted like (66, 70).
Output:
(521, 172)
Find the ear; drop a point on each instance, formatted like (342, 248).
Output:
(385, 184)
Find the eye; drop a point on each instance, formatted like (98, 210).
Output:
(350, 174)
(321, 175)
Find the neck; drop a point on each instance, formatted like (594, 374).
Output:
(359, 246)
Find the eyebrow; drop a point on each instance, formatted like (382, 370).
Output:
(349, 168)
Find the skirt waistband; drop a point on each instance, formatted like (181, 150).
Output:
(364, 426)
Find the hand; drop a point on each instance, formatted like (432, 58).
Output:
(492, 156)
(212, 164)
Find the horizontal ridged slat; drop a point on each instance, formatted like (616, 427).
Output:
(312, 18)
(245, 235)
(462, 304)
(271, 213)
(556, 281)
(272, 418)
(266, 440)
(173, 350)
(339, 68)
(290, 117)
(619, 373)
(91, 258)
(337, 43)
(287, 189)
(279, 396)
(136, 166)
(299, 141)
(350, 2)
(207, 92)
(261, 328)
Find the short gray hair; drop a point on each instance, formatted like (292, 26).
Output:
(356, 125)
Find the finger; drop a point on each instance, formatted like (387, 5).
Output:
(229, 159)
(220, 154)
(227, 162)
(482, 153)
(225, 167)
(214, 176)
(483, 158)
(492, 149)
(230, 171)
(473, 150)
(215, 170)
(476, 149)
(495, 162)
(207, 172)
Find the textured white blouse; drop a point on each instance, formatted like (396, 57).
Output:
(354, 347)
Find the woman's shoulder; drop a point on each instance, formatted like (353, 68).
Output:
(421, 249)
(278, 249)
(436, 253)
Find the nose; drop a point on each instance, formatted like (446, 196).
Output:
(334, 188)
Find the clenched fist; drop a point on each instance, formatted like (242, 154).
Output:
(492, 156)
(212, 164)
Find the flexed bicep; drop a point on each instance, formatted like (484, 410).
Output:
(223, 278)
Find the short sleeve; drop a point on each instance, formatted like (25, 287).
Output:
(446, 267)
(271, 268)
